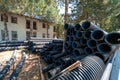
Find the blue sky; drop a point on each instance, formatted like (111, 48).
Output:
(62, 9)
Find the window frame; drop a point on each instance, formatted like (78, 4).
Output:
(27, 35)
(34, 25)
(14, 19)
(14, 35)
(27, 24)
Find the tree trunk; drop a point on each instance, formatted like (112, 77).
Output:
(66, 11)
(5, 26)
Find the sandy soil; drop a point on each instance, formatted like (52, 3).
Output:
(31, 67)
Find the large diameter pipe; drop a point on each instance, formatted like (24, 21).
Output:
(92, 43)
(77, 27)
(87, 34)
(54, 71)
(92, 69)
(47, 68)
(79, 34)
(104, 48)
(83, 41)
(89, 25)
(78, 52)
(113, 38)
(67, 26)
(98, 35)
(76, 44)
(88, 50)
(73, 38)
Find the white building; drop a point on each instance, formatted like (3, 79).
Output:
(19, 27)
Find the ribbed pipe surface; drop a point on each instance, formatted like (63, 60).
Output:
(92, 69)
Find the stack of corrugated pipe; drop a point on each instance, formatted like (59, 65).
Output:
(89, 44)
(52, 51)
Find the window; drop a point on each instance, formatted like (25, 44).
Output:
(34, 25)
(43, 35)
(28, 24)
(34, 34)
(13, 19)
(14, 35)
(48, 35)
(27, 35)
(2, 17)
(3, 35)
(43, 25)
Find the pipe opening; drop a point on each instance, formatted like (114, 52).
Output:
(71, 38)
(87, 34)
(97, 35)
(73, 32)
(74, 45)
(88, 50)
(91, 43)
(104, 48)
(76, 52)
(85, 25)
(79, 34)
(113, 38)
(66, 26)
(99, 55)
(77, 27)
(83, 41)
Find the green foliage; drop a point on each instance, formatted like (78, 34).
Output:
(105, 13)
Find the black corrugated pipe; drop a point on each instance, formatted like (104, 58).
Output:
(54, 71)
(53, 52)
(92, 69)
(101, 55)
(87, 34)
(76, 44)
(57, 56)
(73, 32)
(83, 42)
(79, 34)
(73, 38)
(98, 35)
(65, 61)
(113, 38)
(66, 26)
(48, 67)
(104, 48)
(92, 43)
(67, 45)
(77, 27)
(88, 50)
(78, 51)
(67, 38)
(89, 25)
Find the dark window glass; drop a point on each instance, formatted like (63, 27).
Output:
(27, 35)
(43, 25)
(3, 35)
(34, 25)
(43, 35)
(28, 24)
(14, 35)
(34, 34)
(2, 17)
(13, 19)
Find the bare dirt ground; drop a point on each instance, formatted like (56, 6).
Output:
(31, 67)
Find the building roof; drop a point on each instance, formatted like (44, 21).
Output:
(40, 18)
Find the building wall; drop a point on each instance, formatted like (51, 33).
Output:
(20, 27)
